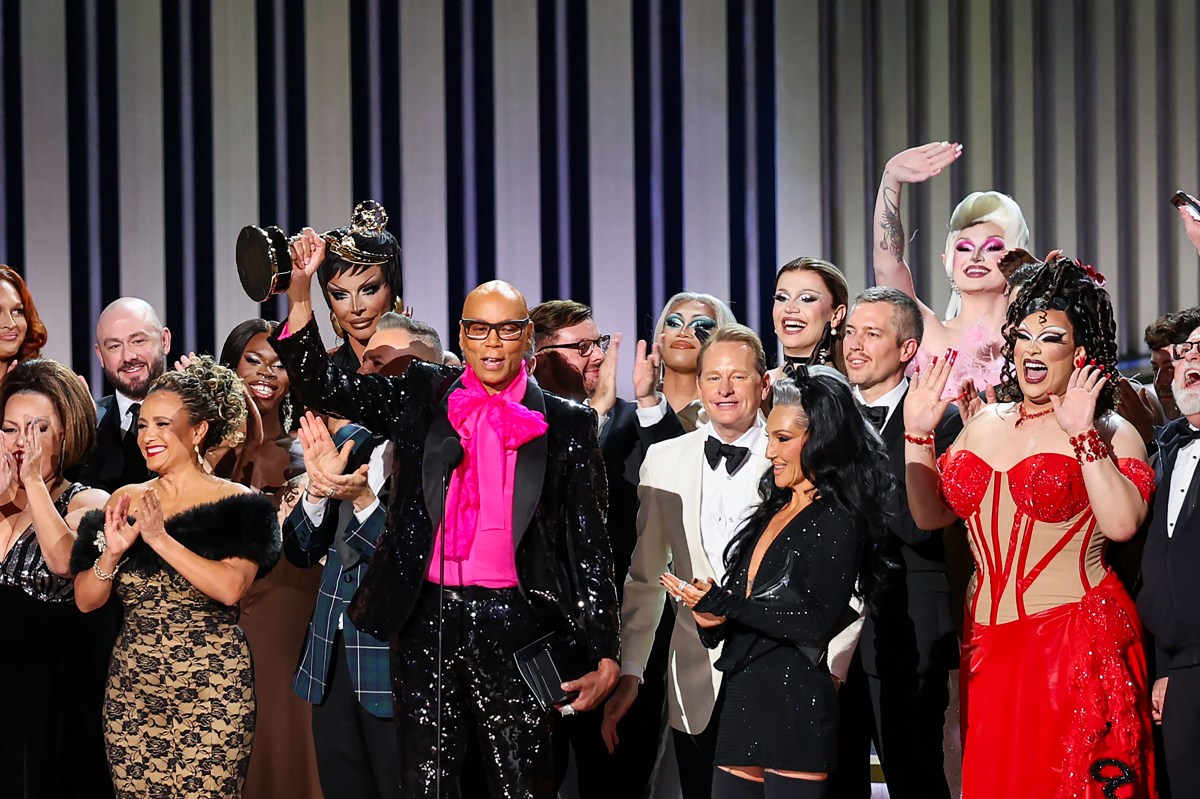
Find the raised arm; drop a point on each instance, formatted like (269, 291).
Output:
(924, 409)
(916, 165)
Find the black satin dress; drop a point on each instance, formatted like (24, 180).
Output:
(780, 708)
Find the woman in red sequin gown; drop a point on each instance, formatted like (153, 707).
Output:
(1056, 701)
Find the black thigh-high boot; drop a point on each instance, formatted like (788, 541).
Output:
(779, 787)
(729, 786)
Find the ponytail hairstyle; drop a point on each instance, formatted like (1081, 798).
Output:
(846, 463)
(210, 393)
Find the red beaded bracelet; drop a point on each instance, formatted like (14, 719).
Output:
(1089, 446)
(924, 441)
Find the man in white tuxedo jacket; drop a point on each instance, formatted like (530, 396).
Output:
(694, 492)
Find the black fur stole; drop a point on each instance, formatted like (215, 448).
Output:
(240, 526)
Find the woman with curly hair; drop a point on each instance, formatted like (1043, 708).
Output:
(180, 551)
(815, 540)
(1056, 700)
(276, 610)
(22, 334)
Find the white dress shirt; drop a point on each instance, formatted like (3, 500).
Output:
(125, 408)
(1181, 479)
(723, 507)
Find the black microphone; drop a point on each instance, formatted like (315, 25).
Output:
(450, 452)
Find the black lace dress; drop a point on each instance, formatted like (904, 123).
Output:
(179, 708)
(53, 664)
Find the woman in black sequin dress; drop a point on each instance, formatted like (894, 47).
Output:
(50, 743)
(791, 572)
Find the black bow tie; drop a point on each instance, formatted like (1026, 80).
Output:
(1179, 433)
(876, 416)
(715, 449)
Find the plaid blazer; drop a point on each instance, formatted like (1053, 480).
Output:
(305, 545)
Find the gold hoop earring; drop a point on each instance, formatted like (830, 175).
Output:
(337, 328)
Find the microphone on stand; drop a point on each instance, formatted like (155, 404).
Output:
(450, 455)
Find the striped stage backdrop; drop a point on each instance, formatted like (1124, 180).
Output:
(614, 151)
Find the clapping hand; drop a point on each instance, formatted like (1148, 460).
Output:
(919, 164)
(119, 534)
(605, 395)
(1075, 410)
(320, 455)
(335, 485)
(645, 373)
(31, 459)
(150, 522)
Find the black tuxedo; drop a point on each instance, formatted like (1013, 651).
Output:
(563, 563)
(896, 693)
(114, 462)
(1168, 602)
(626, 772)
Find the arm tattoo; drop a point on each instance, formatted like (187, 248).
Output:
(890, 225)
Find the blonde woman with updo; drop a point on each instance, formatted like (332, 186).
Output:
(179, 551)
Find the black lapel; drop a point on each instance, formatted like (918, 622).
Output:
(531, 468)
(431, 468)
(893, 432)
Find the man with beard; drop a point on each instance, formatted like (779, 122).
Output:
(132, 345)
(1170, 593)
(574, 361)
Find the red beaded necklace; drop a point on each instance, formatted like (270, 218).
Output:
(1025, 417)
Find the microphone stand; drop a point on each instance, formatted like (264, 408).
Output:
(441, 624)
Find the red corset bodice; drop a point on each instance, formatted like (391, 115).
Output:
(1035, 544)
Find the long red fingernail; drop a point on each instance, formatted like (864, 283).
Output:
(935, 360)
(1080, 361)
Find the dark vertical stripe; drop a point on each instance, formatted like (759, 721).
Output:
(643, 169)
(12, 221)
(92, 163)
(391, 186)
(188, 173)
(830, 218)
(1164, 146)
(361, 111)
(736, 47)
(1085, 134)
(1002, 94)
(872, 93)
(958, 89)
(578, 147)
(672, 145)
(484, 135)
(1044, 148)
(282, 133)
(1126, 140)
(547, 66)
(764, 106)
(917, 71)
(456, 229)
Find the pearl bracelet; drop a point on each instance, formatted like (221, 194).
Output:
(100, 575)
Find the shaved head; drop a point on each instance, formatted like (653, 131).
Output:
(495, 360)
(128, 308)
(131, 345)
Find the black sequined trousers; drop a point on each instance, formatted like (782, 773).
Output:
(483, 695)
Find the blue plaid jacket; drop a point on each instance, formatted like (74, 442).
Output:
(304, 546)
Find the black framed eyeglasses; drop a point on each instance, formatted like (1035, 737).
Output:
(508, 330)
(584, 347)
(1179, 351)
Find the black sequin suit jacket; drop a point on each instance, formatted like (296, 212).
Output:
(563, 558)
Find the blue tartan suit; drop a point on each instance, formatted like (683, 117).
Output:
(304, 546)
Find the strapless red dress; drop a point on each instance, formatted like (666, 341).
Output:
(1055, 704)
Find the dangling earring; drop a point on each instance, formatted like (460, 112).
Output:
(399, 307)
(337, 329)
(285, 413)
(953, 287)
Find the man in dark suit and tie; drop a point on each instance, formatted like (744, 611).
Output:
(520, 551)
(132, 346)
(896, 693)
(573, 360)
(1169, 599)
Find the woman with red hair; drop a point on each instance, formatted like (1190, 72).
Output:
(22, 334)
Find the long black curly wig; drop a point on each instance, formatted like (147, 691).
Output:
(1064, 284)
(847, 464)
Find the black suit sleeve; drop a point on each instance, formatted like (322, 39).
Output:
(813, 611)
(902, 524)
(584, 523)
(381, 404)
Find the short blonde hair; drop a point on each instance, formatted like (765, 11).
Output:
(721, 313)
(735, 334)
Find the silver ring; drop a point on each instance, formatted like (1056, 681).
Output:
(677, 598)
(682, 585)
(568, 710)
